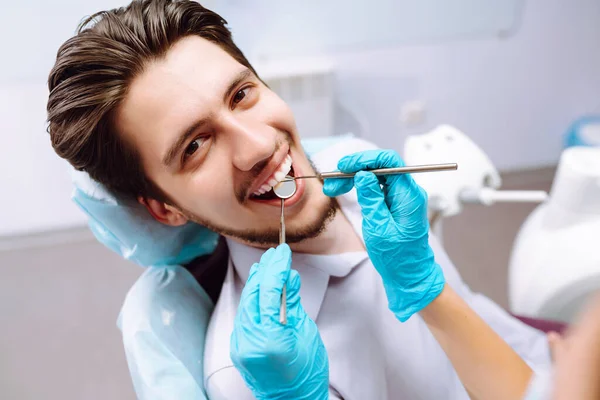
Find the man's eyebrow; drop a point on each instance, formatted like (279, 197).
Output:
(181, 141)
(242, 76)
(176, 147)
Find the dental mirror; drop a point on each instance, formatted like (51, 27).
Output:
(285, 189)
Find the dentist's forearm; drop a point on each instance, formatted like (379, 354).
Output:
(486, 365)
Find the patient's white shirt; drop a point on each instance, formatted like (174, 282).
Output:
(371, 354)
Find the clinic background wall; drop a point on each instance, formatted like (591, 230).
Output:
(515, 96)
(59, 302)
(514, 93)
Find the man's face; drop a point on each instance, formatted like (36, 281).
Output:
(210, 134)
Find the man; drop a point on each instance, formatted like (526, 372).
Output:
(156, 102)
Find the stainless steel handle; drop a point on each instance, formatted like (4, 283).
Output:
(387, 171)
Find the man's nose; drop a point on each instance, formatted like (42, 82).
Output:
(250, 144)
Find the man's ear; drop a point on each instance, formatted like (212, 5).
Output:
(163, 212)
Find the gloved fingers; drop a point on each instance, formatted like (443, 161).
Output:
(293, 284)
(247, 317)
(374, 159)
(334, 187)
(371, 199)
(276, 273)
(248, 310)
(253, 280)
(294, 308)
(407, 200)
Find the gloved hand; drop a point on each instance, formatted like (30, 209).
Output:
(278, 361)
(395, 229)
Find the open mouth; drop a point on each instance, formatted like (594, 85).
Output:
(265, 192)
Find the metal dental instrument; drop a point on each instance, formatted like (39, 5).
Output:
(284, 190)
(382, 171)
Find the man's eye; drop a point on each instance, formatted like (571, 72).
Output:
(239, 96)
(193, 146)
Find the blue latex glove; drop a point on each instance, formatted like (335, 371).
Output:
(278, 361)
(395, 229)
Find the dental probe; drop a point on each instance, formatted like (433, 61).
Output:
(381, 171)
(284, 190)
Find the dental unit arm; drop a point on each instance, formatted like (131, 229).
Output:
(476, 181)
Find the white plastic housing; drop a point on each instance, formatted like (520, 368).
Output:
(555, 263)
(446, 144)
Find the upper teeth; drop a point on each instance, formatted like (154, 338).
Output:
(277, 177)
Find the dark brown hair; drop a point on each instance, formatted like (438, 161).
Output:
(93, 71)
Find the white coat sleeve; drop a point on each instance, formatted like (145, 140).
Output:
(163, 322)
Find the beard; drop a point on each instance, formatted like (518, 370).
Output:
(269, 237)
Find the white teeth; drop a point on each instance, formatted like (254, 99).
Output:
(278, 176)
(285, 168)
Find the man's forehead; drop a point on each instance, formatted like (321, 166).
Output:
(194, 72)
(196, 64)
(193, 75)
(195, 54)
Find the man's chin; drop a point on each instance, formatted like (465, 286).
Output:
(295, 233)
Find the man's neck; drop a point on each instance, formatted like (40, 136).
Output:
(338, 237)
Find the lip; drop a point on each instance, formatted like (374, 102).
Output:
(269, 170)
(300, 187)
